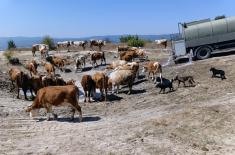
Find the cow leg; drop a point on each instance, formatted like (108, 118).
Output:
(72, 116)
(130, 89)
(102, 94)
(85, 96)
(164, 90)
(55, 116)
(31, 91)
(25, 94)
(89, 96)
(78, 108)
(13, 86)
(48, 110)
(118, 89)
(184, 83)
(18, 92)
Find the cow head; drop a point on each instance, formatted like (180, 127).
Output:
(32, 112)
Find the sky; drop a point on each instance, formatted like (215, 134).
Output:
(83, 18)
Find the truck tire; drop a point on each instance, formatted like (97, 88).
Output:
(203, 52)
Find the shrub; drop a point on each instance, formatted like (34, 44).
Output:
(49, 41)
(125, 39)
(11, 45)
(8, 54)
(133, 41)
(136, 43)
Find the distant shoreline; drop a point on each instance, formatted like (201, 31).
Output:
(27, 42)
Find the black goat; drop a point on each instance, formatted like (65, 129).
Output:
(163, 84)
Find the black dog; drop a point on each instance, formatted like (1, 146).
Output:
(217, 72)
(164, 84)
(184, 79)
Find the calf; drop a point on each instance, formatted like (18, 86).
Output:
(128, 55)
(32, 67)
(49, 68)
(97, 56)
(165, 83)
(184, 79)
(88, 86)
(56, 61)
(152, 68)
(216, 72)
(80, 61)
(56, 96)
(101, 82)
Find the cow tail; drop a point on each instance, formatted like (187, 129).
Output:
(77, 92)
(160, 68)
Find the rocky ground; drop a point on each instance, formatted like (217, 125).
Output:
(190, 120)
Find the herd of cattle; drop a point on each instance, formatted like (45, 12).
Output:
(52, 90)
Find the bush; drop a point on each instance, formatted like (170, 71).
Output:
(125, 39)
(133, 41)
(136, 43)
(8, 54)
(49, 41)
(11, 45)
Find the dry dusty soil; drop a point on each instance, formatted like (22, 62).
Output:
(190, 120)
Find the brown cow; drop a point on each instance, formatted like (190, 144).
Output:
(97, 56)
(101, 82)
(56, 96)
(32, 67)
(49, 68)
(22, 80)
(56, 61)
(88, 86)
(154, 68)
(99, 43)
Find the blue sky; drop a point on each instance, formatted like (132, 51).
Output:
(80, 18)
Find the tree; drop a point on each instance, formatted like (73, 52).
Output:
(49, 41)
(11, 45)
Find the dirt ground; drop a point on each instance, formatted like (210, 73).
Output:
(190, 120)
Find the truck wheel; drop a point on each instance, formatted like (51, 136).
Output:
(203, 52)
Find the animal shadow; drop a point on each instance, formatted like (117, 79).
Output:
(76, 119)
(86, 69)
(113, 97)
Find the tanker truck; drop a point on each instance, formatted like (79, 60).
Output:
(205, 37)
